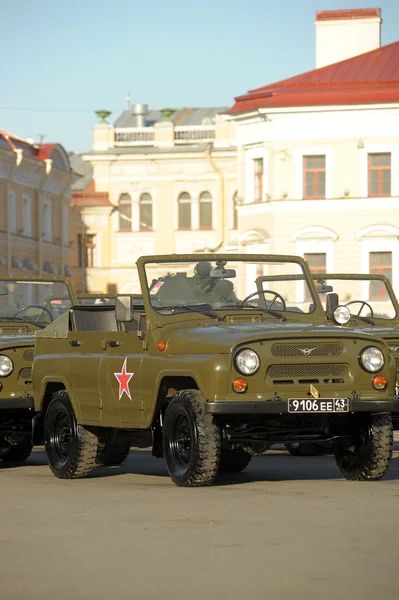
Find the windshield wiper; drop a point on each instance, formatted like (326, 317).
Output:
(365, 319)
(273, 313)
(202, 311)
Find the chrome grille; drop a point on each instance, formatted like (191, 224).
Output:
(307, 349)
(28, 355)
(309, 373)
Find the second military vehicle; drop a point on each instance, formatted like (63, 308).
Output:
(228, 355)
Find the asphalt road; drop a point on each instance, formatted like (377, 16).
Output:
(286, 528)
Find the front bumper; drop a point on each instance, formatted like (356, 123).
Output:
(20, 403)
(280, 407)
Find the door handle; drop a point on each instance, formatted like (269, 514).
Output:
(113, 343)
(75, 342)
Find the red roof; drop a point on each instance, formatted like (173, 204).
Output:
(45, 150)
(342, 15)
(370, 78)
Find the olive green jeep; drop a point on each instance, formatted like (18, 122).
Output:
(227, 356)
(25, 308)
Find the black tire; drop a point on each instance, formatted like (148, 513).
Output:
(233, 460)
(191, 440)
(71, 448)
(15, 453)
(368, 458)
(114, 450)
(304, 449)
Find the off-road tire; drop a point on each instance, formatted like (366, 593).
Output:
(15, 454)
(191, 440)
(76, 457)
(114, 450)
(368, 458)
(233, 460)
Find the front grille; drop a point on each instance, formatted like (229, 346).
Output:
(28, 355)
(307, 349)
(309, 373)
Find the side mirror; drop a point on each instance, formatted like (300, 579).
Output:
(332, 302)
(123, 309)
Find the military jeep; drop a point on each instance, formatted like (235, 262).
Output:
(226, 356)
(24, 309)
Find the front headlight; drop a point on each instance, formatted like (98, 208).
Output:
(247, 361)
(6, 365)
(341, 315)
(372, 359)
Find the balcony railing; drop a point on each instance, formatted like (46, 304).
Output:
(145, 136)
(193, 135)
(126, 136)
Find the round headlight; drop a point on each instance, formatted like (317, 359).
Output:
(247, 361)
(341, 315)
(372, 359)
(6, 365)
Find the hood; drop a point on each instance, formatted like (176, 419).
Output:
(16, 339)
(222, 338)
(383, 332)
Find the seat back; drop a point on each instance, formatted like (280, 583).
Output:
(93, 318)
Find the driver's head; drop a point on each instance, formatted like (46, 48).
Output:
(224, 288)
(202, 269)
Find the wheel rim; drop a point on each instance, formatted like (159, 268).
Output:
(181, 441)
(61, 436)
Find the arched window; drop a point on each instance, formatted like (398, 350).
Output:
(235, 213)
(145, 212)
(205, 211)
(125, 213)
(184, 203)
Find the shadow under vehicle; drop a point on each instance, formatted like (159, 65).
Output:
(24, 310)
(227, 356)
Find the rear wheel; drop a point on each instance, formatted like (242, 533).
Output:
(71, 448)
(233, 460)
(15, 452)
(114, 450)
(191, 440)
(367, 458)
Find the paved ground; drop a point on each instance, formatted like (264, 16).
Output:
(287, 528)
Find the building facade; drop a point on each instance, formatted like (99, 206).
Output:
(318, 159)
(35, 196)
(168, 184)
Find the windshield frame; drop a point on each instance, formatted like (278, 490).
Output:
(157, 319)
(393, 322)
(39, 280)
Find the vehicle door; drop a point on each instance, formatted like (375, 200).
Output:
(120, 371)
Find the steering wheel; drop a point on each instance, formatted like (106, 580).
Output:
(363, 304)
(42, 309)
(262, 293)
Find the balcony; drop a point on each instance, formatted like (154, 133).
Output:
(126, 136)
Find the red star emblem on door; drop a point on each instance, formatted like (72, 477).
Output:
(123, 379)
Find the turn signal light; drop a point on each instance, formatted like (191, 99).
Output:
(1, 386)
(240, 385)
(379, 382)
(161, 346)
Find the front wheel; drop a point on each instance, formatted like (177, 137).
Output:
(191, 440)
(71, 449)
(19, 452)
(367, 458)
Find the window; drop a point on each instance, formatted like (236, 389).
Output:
(125, 213)
(379, 174)
(47, 220)
(235, 212)
(205, 211)
(258, 179)
(12, 212)
(86, 250)
(184, 204)
(314, 177)
(380, 264)
(145, 212)
(27, 216)
(317, 262)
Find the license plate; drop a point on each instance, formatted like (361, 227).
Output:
(318, 405)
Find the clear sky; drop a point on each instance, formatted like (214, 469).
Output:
(62, 60)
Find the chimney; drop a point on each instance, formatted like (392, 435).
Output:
(140, 111)
(342, 34)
